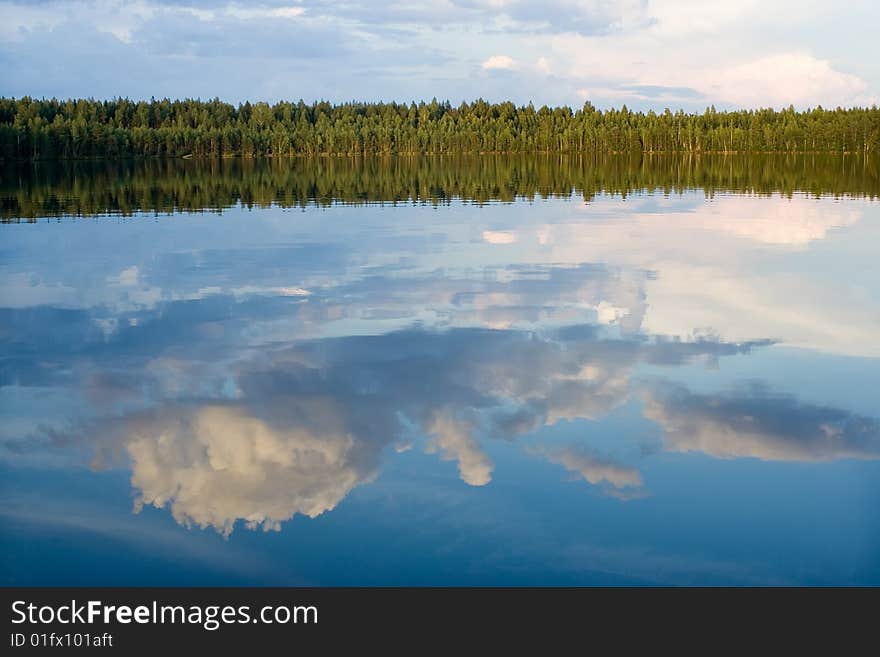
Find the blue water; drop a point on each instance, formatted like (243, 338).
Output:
(656, 390)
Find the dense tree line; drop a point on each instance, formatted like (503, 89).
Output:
(89, 188)
(48, 129)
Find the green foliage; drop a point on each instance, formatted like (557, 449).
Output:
(32, 190)
(71, 129)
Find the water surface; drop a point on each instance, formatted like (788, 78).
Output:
(495, 370)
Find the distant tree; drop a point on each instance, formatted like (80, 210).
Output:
(53, 129)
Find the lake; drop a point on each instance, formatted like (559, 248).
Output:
(487, 370)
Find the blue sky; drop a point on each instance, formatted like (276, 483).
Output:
(644, 53)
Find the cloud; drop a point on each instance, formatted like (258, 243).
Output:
(244, 35)
(453, 439)
(589, 17)
(646, 54)
(683, 18)
(163, 314)
(758, 424)
(790, 78)
(118, 51)
(288, 12)
(618, 480)
(214, 465)
(690, 54)
(741, 250)
(127, 277)
(499, 237)
(262, 12)
(499, 62)
(221, 432)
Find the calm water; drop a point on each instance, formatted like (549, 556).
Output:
(461, 371)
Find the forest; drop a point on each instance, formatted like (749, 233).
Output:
(85, 188)
(85, 128)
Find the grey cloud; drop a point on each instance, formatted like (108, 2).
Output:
(508, 382)
(582, 16)
(588, 17)
(45, 345)
(759, 424)
(43, 63)
(509, 423)
(173, 53)
(227, 37)
(614, 478)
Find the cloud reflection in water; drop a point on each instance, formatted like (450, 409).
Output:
(310, 421)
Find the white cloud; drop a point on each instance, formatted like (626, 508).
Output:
(499, 237)
(793, 78)
(288, 12)
(681, 18)
(502, 62)
(127, 277)
(728, 54)
(543, 65)
(452, 437)
(217, 465)
(249, 13)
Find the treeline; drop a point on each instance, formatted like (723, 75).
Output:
(29, 191)
(71, 129)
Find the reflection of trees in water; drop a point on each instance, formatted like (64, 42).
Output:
(125, 187)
